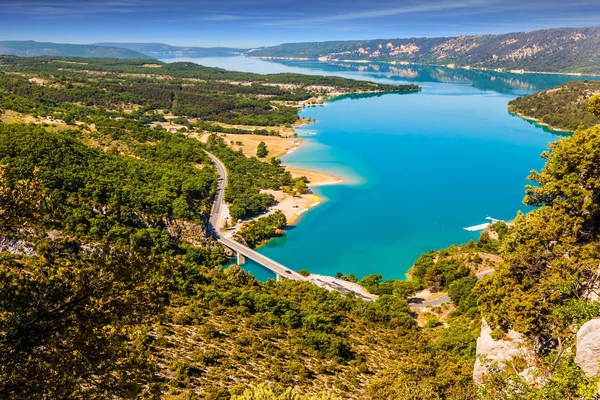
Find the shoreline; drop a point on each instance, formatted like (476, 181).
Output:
(538, 122)
(453, 66)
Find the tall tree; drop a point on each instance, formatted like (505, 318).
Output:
(261, 150)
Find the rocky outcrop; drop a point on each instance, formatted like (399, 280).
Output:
(17, 246)
(588, 348)
(491, 354)
(185, 231)
(593, 287)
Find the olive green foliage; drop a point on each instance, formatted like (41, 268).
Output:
(119, 303)
(501, 228)
(566, 382)
(21, 203)
(101, 196)
(551, 253)
(213, 127)
(594, 105)
(266, 392)
(564, 107)
(301, 187)
(71, 166)
(261, 150)
(460, 291)
(550, 262)
(192, 90)
(71, 322)
(258, 231)
(70, 326)
(438, 275)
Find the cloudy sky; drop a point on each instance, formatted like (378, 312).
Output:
(240, 23)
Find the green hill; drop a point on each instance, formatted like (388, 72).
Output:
(161, 50)
(564, 107)
(551, 50)
(29, 48)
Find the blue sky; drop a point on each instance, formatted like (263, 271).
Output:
(239, 23)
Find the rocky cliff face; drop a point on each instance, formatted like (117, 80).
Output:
(550, 50)
(491, 354)
(588, 348)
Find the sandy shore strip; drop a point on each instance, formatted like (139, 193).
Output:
(277, 146)
(316, 178)
(292, 206)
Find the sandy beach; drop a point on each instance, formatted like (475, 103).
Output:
(293, 206)
(316, 178)
(278, 146)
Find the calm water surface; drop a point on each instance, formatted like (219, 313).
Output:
(418, 168)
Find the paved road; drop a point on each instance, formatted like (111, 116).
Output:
(443, 299)
(215, 218)
(215, 215)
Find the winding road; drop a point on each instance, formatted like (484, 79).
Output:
(418, 304)
(215, 217)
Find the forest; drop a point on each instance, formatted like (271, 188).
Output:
(112, 287)
(564, 107)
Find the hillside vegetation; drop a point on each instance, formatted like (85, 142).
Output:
(551, 50)
(29, 48)
(564, 107)
(112, 287)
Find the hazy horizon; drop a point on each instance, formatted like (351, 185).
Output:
(242, 24)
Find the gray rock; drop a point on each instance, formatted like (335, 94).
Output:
(588, 347)
(17, 246)
(492, 353)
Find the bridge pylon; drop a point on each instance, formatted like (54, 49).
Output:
(241, 260)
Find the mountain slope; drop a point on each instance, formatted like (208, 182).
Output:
(551, 50)
(161, 50)
(30, 48)
(111, 286)
(563, 107)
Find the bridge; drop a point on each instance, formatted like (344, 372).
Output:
(280, 270)
(242, 252)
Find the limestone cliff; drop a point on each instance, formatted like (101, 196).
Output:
(491, 354)
(588, 348)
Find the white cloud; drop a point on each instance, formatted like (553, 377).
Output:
(387, 12)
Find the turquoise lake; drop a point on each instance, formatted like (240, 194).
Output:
(417, 168)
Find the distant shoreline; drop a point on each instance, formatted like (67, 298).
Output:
(450, 66)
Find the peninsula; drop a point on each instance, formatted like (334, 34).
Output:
(562, 108)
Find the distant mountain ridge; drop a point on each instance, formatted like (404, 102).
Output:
(30, 48)
(575, 50)
(161, 50)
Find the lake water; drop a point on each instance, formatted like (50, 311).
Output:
(418, 168)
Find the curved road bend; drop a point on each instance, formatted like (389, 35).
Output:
(445, 298)
(215, 217)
